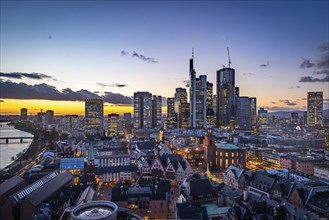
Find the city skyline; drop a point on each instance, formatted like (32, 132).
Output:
(71, 51)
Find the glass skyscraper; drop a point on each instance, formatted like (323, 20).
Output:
(156, 110)
(142, 110)
(226, 96)
(243, 113)
(94, 116)
(314, 108)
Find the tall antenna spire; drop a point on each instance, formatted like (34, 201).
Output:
(229, 59)
(192, 53)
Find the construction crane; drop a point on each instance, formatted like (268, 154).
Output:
(229, 59)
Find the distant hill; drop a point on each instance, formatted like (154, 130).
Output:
(287, 114)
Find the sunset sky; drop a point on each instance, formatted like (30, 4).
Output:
(54, 54)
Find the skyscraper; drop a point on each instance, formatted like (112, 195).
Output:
(49, 117)
(314, 108)
(71, 122)
(253, 111)
(192, 94)
(201, 101)
(94, 116)
(294, 118)
(171, 114)
(210, 113)
(113, 124)
(243, 109)
(262, 117)
(156, 110)
(142, 110)
(226, 96)
(23, 114)
(180, 107)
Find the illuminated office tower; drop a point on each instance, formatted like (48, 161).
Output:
(192, 94)
(180, 105)
(314, 108)
(201, 100)
(23, 114)
(71, 122)
(127, 122)
(210, 112)
(184, 115)
(242, 117)
(262, 117)
(294, 118)
(113, 124)
(226, 96)
(171, 114)
(142, 110)
(49, 117)
(253, 111)
(156, 110)
(94, 116)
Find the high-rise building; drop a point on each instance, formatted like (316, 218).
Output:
(23, 114)
(262, 117)
(192, 94)
(253, 111)
(226, 96)
(294, 118)
(94, 116)
(171, 114)
(127, 122)
(184, 115)
(113, 124)
(49, 117)
(180, 105)
(142, 110)
(71, 122)
(156, 110)
(242, 117)
(201, 102)
(314, 108)
(210, 112)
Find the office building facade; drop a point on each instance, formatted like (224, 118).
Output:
(23, 114)
(113, 125)
(314, 108)
(94, 116)
(142, 110)
(243, 113)
(226, 96)
(156, 110)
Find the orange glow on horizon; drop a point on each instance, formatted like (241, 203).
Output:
(13, 107)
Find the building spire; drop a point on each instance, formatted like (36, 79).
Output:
(192, 53)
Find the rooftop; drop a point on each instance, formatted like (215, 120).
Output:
(226, 146)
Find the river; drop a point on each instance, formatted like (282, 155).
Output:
(7, 151)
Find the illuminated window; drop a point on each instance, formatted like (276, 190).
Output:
(226, 154)
(232, 154)
(226, 163)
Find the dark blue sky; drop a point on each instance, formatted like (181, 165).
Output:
(80, 42)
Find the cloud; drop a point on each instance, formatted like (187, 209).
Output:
(306, 63)
(321, 65)
(112, 85)
(287, 102)
(124, 53)
(325, 72)
(294, 87)
(144, 58)
(2, 100)
(12, 90)
(273, 102)
(265, 64)
(312, 79)
(18, 75)
(279, 108)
